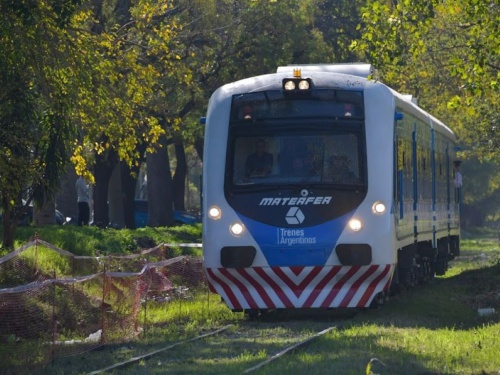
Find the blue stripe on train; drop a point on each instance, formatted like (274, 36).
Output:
(301, 246)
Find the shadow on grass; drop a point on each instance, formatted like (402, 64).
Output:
(447, 302)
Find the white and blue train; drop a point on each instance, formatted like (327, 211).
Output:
(323, 188)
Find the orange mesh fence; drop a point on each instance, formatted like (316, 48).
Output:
(54, 304)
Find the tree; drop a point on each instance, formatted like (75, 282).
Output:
(65, 83)
(135, 40)
(469, 29)
(35, 131)
(452, 44)
(481, 193)
(338, 22)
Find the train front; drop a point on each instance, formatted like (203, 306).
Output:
(289, 221)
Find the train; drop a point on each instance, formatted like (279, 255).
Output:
(324, 188)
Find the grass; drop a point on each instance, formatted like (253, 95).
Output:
(94, 241)
(434, 329)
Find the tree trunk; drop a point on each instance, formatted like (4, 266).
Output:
(8, 233)
(160, 194)
(198, 146)
(128, 183)
(179, 180)
(104, 165)
(8, 224)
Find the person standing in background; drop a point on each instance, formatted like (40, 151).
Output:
(83, 194)
(458, 176)
(457, 181)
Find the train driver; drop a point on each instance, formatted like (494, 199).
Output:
(260, 162)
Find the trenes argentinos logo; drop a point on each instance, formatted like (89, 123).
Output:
(294, 237)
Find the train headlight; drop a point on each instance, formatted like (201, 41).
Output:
(304, 84)
(297, 84)
(236, 228)
(378, 208)
(214, 213)
(289, 85)
(355, 225)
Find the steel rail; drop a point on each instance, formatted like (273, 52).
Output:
(150, 354)
(290, 348)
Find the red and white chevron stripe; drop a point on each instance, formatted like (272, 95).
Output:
(299, 287)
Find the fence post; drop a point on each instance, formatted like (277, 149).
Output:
(36, 252)
(104, 284)
(146, 303)
(208, 303)
(54, 325)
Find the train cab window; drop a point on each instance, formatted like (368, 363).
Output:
(334, 158)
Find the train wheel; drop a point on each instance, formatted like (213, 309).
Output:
(424, 274)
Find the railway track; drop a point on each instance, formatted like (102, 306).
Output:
(240, 348)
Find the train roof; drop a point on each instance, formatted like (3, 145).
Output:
(412, 106)
(354, 69)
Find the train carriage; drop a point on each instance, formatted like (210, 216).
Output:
(323, 189)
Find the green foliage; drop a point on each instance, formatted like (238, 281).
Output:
(392, 36)
(466, 41)
(337, 22)
(77, 83)
(116, 97)
(35, 131)
(447, 54)
(481, 193)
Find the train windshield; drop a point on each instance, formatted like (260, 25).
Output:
(316, 139)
